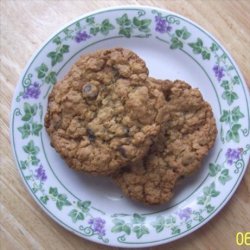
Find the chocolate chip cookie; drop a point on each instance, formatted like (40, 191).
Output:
(190, 132)
(105, 114)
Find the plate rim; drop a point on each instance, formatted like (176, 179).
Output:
(11, 133)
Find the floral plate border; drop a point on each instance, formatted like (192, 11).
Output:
(131, 230)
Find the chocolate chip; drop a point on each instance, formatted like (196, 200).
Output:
(126, 131)
(122, 150)
(91, 135)
(126, 169)
(87, 88)
(90, 90)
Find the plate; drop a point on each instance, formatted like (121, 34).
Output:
(93, 207)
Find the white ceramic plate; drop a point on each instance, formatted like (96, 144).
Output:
(93, 207)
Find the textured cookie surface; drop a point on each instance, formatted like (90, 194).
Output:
(105, 113)
(190, 132)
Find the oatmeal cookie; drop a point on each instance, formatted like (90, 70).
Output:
(105, 114)
(190, 132)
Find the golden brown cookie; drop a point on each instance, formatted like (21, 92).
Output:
(105, 113)
(190, 132)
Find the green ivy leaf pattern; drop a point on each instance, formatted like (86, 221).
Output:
(142, 25)
(78, 26)
(176, 43)
(68, 34)
(169, 223)
(44, 199)
(136, 225)
(224, 176)
(125, 32)
(201, 200)
(233, 133)
(198, 216)
(209, 192)
(214, 47)
(83, 206)
(104, 27)
(123, 20)
(90, 20)
(24, 164)
(53, 191)
(159, 224)
(226, 116)
(214, 169)
(209, 208)
(28, 177)
(225, 85)
(205, 55)
(120, 226)
(94, 30)
(126, 229)
(42, 70)
(57, 40)
(61, 199)
(30, 127)
(183, 33)
(25, 130)
(230, 96)
(34, 160)
(221, 171)
(31, 149)
(236, 114)
(45, 74)
(76, 215)
(198, 48)
(138, 219)
(57, 56)
(51, 78)
(127, 26)
(140, 231)
(235, 80)
(179, 37)
(170, 220)
(36, 128)
(175, 230)
(29, 111)
(64, 49)
(232, 118)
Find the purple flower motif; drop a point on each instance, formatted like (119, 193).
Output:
(33, 91)
(219, 72)
(81, 36)
(233, 155)
(184, 214)
(162, 25)
(97, 224)
(40, 173)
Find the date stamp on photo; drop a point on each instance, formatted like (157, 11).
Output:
(242, 238)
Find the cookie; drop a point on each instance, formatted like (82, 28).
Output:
(105, 114)
(190, 131)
